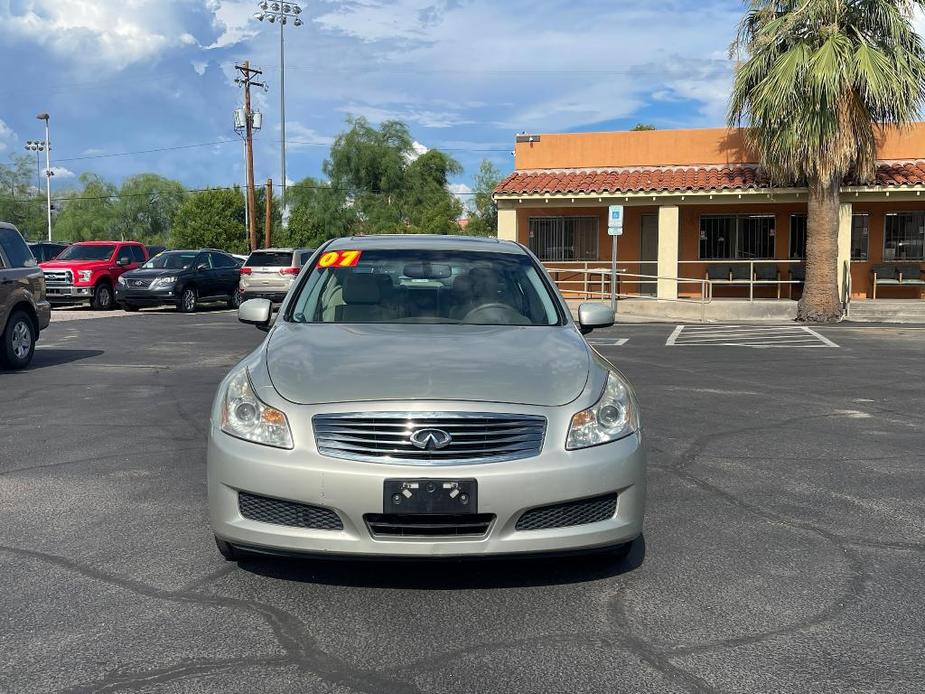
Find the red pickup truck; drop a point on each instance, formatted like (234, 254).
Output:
(87, 272)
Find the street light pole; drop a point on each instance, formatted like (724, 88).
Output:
(281, 12)
(48, 171)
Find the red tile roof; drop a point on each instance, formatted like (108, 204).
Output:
(650, 180)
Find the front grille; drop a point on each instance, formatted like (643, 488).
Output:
(58, 277)
(290, 513)
(138, 283)
(572, 513)
(428, 525)
(386, 436)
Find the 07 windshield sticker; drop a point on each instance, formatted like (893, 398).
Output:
(339, 259)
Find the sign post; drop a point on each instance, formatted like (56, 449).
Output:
(614, 230)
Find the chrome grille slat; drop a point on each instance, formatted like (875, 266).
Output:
(386, 437)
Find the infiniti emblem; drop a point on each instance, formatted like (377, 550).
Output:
(431, 439)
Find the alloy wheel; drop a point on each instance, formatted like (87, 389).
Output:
(22, 340)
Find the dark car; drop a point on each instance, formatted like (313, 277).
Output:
(45, 250)
(182, 278)
(24, 309)
(154, 250)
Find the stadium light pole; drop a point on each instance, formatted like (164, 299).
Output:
(281, 13)
(48, 172)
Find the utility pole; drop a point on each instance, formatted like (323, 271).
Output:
(268, 207)
(246, 80)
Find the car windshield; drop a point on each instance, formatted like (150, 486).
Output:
(178, 260)
(425, 286)
(90, 252)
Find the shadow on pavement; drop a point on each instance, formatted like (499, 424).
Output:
(450, 574)
(55, 357)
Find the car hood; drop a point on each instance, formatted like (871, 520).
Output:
(327, 363)
(64, 264)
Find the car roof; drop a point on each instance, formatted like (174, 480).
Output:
(105, 243)
(425, 242)
(274, 250)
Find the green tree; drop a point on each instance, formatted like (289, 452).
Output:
(428, 206)
(211, 219)
(318, 212)
(820, 80)
(146, 206)
(483, 219)
(88, 213)
(643, 127)
(391, 189)
(21, 202)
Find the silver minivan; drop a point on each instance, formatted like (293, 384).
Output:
(268, 273)
(24, 308)
(422, 396)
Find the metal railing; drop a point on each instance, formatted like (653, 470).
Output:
(752, 280)
(598, 284)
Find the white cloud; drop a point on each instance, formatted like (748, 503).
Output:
(463, 193)
(105, 33)
(409, 113)
(234, 18)
(6, 135)
(299, 136)
(374, 20)
(199, 66)
(62, 172)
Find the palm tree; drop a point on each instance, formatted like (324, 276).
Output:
(819, 81)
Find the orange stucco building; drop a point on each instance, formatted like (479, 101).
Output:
(698, 205)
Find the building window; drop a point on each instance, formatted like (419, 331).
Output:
(564, 238)
(727, 237)
(904, 236)
(797, 236)
(860, 233)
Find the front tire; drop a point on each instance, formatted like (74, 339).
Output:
(102, 297)
(235, 301)
(188, 300)
(226, 550)
(18, 341)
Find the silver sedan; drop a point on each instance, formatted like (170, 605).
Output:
(422, 396)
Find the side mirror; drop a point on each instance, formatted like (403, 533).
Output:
(256, 312)
(122, 262)
(591, 316)
(201, 267)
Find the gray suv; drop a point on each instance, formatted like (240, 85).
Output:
(24, 310)
(422, 396)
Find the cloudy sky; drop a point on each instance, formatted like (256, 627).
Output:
(122, 76)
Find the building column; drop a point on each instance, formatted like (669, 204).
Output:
(507, 223)
(843, 254)
(668, 230)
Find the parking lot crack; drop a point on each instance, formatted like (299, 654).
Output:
(288, 630)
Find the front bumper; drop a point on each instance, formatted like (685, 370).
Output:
(68, 294)
(354, 489)
(145, 297)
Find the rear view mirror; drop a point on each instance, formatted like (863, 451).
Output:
(256, 312)
(591, 316)
(427, 271)
(123, 262)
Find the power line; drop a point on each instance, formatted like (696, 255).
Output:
(225, 142)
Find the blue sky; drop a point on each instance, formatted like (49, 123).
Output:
(466, 75)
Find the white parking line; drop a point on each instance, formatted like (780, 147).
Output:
(609, 343)
(755, 336)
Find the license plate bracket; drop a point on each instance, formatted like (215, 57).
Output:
(423, 496)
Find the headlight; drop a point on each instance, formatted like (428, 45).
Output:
(121, 280)
(613, 417)
(244, 416)
(164, 281)
(84, 275)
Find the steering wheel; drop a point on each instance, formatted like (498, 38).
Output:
(485, 311)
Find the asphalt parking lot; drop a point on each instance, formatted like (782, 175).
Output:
(784, 548)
